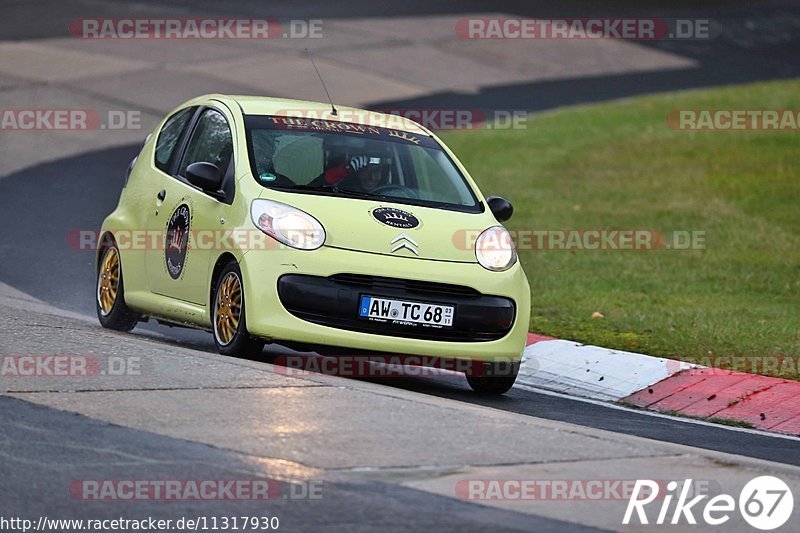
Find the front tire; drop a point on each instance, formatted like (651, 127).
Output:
(228, 315)
(112, 311)
(495, 379)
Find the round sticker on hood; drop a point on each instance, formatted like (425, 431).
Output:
(396, 218)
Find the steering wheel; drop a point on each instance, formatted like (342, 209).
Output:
(393, 189)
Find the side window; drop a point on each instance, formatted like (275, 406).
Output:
(211, 142)
(169, 135)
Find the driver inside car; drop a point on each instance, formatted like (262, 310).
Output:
(367, 174)
(362, 173)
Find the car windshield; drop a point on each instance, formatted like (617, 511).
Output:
(354, 160)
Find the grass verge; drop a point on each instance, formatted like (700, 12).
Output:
(619, 166)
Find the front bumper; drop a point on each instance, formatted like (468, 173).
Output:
(332, 301)
(312, 297)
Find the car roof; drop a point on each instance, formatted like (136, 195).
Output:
(284, 107)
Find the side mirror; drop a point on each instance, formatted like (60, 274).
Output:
(500, 208)
(204, 175)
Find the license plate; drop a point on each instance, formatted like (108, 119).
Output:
(406, 313)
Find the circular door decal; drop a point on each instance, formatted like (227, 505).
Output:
(177, 242)
(396, 218)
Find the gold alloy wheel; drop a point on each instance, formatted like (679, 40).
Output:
(108, 281)
(228, 308)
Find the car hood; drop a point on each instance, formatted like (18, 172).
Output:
(352, 224)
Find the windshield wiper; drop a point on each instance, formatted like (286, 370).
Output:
(330, 189)
(360, 194)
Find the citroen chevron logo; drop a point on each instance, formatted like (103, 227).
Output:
(404, 241)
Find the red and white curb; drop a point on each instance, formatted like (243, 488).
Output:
(660, 384)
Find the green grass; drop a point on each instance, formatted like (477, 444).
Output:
(619, 165)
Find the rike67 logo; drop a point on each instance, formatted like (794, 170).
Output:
(765, 503)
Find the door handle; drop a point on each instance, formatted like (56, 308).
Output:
(161, 195)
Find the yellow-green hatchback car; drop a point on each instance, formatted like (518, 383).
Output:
(264, 219)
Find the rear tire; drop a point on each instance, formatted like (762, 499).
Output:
(109, 300)
(228, 315)
(496, 379)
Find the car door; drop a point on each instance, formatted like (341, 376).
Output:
(188, 217)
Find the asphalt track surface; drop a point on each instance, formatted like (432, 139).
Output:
(47, 266)
(44, 447)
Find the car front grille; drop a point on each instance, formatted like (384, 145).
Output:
(333, 301)
(376, 283)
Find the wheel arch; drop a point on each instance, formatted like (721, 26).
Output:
(103, 242)
(221, 262)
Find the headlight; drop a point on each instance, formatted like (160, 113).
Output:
(287, 224)
(494, 249)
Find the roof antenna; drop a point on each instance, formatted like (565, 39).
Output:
(333, 109)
